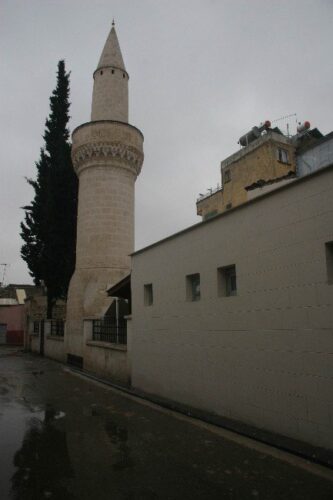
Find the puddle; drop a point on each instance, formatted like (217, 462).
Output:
(121, 453)
(34, 455)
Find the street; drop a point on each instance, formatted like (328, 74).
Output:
(64, 436)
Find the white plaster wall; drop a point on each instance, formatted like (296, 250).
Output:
(107, 361)
(54, 348)
(265, 356)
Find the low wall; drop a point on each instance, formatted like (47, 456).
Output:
(54, 348)
(53, 344)
(34, 342)
(104, 359)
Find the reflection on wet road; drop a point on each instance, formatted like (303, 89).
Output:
(65, 437)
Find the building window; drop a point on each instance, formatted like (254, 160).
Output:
(101, 72)
(209, 215)
(148, 294)
(112, 71)
(193, 287)
(282, 155)
(227, 176)
(57, 327)
(329, 262)
(36, 327)
(226, 281)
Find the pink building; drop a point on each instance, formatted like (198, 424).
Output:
(12, 320)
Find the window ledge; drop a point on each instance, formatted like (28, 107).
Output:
(55, 337)
(284, 162)
(107, 345)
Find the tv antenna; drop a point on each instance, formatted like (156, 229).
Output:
(4, 269)
(285, 118)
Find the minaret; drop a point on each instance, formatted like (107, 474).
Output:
(107, 155)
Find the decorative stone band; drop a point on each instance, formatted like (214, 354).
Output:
(128, 156)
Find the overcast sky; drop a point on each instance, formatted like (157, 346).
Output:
(202, 72)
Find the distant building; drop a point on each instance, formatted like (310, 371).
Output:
(12, 313)
(267, 160)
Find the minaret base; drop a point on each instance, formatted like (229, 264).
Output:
(107, 157)
(87, 299)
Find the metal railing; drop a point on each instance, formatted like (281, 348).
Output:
(36, 326)
(57, 327)
(210, 192)
(113, 330)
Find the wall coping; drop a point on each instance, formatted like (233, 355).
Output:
(55, 337)
(107, 345)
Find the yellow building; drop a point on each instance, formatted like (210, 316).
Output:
(268, 157)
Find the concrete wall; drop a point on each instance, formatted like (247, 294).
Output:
(53, 344)
(263, 357)
(105, 359)
(316, 157)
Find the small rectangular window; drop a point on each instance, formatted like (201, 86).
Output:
(193, 287)
(226, 281)
(227, 176)
(148, 294)
(329, 262)
(282, 155)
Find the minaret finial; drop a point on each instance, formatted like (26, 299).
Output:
(113, 23)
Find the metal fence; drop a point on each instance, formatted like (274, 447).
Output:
(36, 326)
(57, 327)
(110, 330)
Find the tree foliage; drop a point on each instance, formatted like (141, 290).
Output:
(49, 227)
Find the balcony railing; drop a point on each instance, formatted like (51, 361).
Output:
(113, 330)
(210, 192)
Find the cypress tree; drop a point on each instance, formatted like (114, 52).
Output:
(49, 227)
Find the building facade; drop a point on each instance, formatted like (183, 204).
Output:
(234, 316)
(266, 159)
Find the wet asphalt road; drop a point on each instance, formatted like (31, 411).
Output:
(63, 436)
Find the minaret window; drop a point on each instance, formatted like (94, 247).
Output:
(101, 73)
(112, 71)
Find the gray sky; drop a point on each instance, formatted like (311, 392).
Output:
(202, 72)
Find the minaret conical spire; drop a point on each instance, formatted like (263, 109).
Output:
(110, 94)
(111, 55)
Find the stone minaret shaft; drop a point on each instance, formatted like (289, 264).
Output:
(107, 156)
